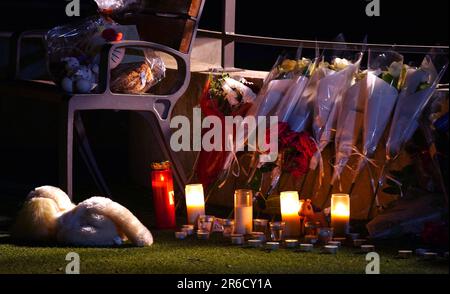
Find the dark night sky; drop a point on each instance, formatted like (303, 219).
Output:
(401, 21)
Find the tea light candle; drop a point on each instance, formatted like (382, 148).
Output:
(404, 254)
(330, 249)
(188, 231)
(430, 256)
(340, 213)
(290, 206)
(272, 245)
(202, 235)
(259, 236)
(352, 236)
(195, 202)
(255, 243)
(311, 239)
(306, 247)
(180, 235)
(342, 240)
(359, 242)
(335, 243)
(367, 248)
(291, 243)
(237, 239)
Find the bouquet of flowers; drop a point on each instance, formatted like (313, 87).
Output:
(294, 148)
(380, 87)
(222, 96)
(74, 54)
(417, 91)
(331, 89)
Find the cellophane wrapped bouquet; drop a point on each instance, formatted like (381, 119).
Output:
(222, 96)
(74, 54)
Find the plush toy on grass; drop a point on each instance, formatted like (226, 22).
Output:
(48, 215)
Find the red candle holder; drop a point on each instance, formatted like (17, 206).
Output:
(163, 195)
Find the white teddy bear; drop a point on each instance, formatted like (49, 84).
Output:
(48, 215)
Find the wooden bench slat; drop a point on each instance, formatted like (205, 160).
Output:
(175, 33)
(180, 7)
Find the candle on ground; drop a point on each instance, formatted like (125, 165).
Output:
(306, 247)
(243, 211)
(340, 214)
(330, 249)
(404, 254)
(195, 202)
(291, 243)
(367, 248)
(237, 239)
(272, 245)
(290, 206)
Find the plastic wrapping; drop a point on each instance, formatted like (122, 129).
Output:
(286, 80)
(74, 52)
(219, 99)
(301, 116)
(138, 77)
(380, 87)
(348, 128)
(328, 101)
(419, 87)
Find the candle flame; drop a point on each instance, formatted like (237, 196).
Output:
(340, 209)
(171, 198)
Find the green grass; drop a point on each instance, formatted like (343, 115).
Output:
(171, 256)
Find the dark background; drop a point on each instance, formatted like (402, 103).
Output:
(28, 147)
(401, 22)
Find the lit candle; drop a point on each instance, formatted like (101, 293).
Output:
(330, 249)
(195, 202)
(405, 254)
(272, 245)
(290, 206)
(340, 214)
(243, 212)
(306, 247)
(367, 248)
(163, 195)
(291, 243)
(255, 243)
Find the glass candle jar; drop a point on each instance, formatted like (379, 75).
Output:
(260, 225)
(163, 195)
(195, 202)
(228, 228)
(243, 211)
(277, 231)
(340, 214)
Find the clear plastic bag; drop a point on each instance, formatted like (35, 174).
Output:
(138, 77)
(74, 51)
(419, 87)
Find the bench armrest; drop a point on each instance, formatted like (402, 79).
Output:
(182, 62)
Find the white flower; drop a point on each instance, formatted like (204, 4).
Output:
(230, 94)
(395, 69)
(246, 93)
(340, 63)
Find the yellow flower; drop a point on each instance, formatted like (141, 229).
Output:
(340, 63)
(303, 63)
(288, 65)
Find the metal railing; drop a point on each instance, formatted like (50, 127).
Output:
(229, 38)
